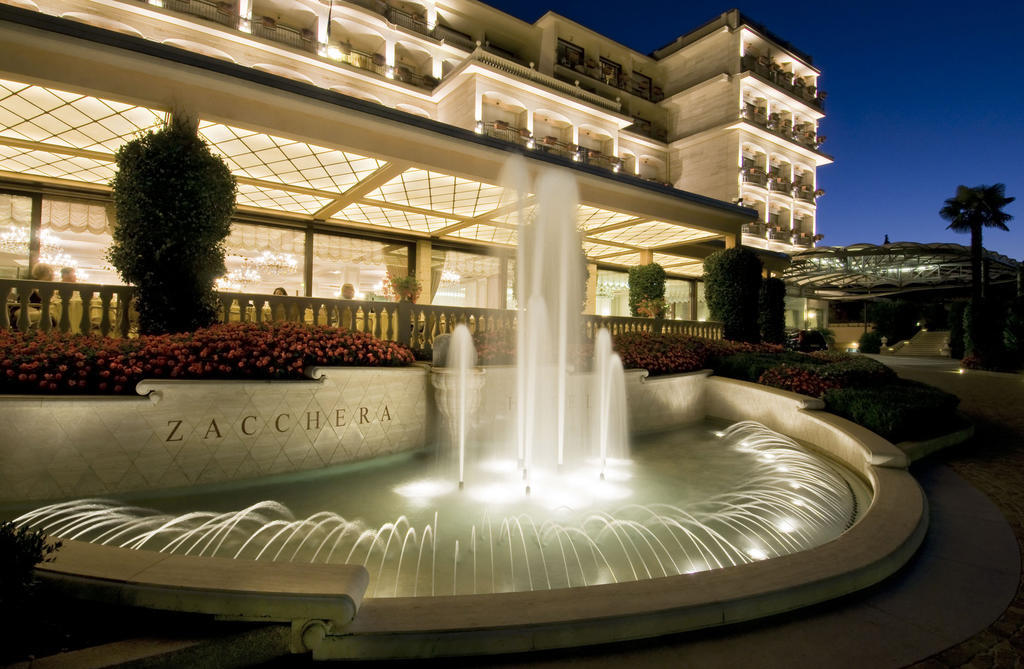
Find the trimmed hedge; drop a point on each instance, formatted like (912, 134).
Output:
(646, 283)
(57, 363)
(870, 342)
(732, 287)
(898, 410)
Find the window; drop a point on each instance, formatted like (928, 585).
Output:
(461, 279)
(570, 55)
(260, 259)
(678, 299)
(610, 72)
(76, 234)
(641, 85)
(15, 224)
(362, 263)
(612, 293)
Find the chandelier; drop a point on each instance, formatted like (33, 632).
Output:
(273, 264)
(237, 279)
(16, 241)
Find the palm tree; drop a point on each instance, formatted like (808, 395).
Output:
(971, 210)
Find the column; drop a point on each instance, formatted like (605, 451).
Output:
(591, 307)
(390, 49)
(436, 66)
(733, 241)
(646, 256)
(245, 15)
(423, 271)
(322, 29)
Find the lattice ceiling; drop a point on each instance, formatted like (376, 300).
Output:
(72, 138)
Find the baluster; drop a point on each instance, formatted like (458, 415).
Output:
(65, 309)
(85, 323)
(377, 322)
(5, 296)
(106, 295)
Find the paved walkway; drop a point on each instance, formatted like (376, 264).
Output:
(993, 462)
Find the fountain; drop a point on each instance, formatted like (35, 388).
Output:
(550, 498)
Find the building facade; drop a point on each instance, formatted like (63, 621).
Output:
(728, 112)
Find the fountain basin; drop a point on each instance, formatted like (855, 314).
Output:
(884, 538)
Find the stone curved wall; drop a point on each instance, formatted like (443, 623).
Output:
(184, 433)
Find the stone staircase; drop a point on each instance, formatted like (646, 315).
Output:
(930, 343)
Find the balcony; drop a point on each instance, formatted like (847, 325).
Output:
(804, 239)
(417, 24)
(782, 128)
(647, 129)
(635, 84)
(530, 74)
(755, 176)
(756, 229)
(269, 29)
(549, 144)
(219, 12)
(804, 192)
(779, 184)
(375, 63)
(772, 72)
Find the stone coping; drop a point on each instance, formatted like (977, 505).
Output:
(237, 589)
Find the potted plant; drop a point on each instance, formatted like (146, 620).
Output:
(405, 288)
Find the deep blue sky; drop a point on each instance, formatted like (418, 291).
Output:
(922, 96)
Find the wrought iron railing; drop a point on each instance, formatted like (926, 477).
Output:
(771, 72)
(223, 13)
(530, 74)
(294, 37)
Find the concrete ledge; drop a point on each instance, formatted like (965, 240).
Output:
(882, 542)
(236, 589)
(916, 450)
(802, 418)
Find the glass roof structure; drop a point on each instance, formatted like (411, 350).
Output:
(71, 139)
(863, 268)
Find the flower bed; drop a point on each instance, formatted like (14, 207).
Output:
(675, 354)
(57, 363)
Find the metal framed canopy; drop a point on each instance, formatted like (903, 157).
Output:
(896, 267)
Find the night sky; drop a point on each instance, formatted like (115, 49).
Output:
(922, 96)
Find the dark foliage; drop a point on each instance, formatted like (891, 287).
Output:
(174, 199)
(773, 311)
(646, 282)
(21, 549)
(895, 320)
(870, 342)
(732, 286)
(956, 329)
(899, 410)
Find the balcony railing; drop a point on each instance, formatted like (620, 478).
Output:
(755, 229)
(647, 129)
(105, 310)
(508, 133)
(804, 192)
(219, 12)
(779, 184)
(755, 175)
(622, 82)
(294, 37)
(417, 24)
(773, 73)
(530, 74)
(781, 128)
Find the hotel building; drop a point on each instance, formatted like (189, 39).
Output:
(368, 137)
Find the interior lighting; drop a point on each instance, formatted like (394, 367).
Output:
(273, 264)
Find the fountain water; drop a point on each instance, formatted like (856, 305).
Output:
(589, 515)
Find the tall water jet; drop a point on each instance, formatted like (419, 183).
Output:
(608, 396)
(462, 358)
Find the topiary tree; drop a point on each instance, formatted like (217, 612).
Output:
(732, 287)
(870, 342)
(646, 285)
(773, 311)
(173, 200)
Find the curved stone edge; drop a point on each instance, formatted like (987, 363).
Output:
(233, 589)
(882, 542)
(916, 450)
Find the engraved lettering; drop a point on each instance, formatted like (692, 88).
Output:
(213, 429)
(339, 418)
(310, 417)
(244, 421)
(277, 422)
(385, 415)
(363, 415)
(174, 430)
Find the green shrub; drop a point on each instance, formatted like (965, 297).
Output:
(899, 410)
(956, 329)
(984, 321)
(895, 320)
(732, 287)
(646, 282)
(1013, 332)
(935, 316)
(174, 199)
(870, 342)
(21, 549)
(773, 311)
(751, 366)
